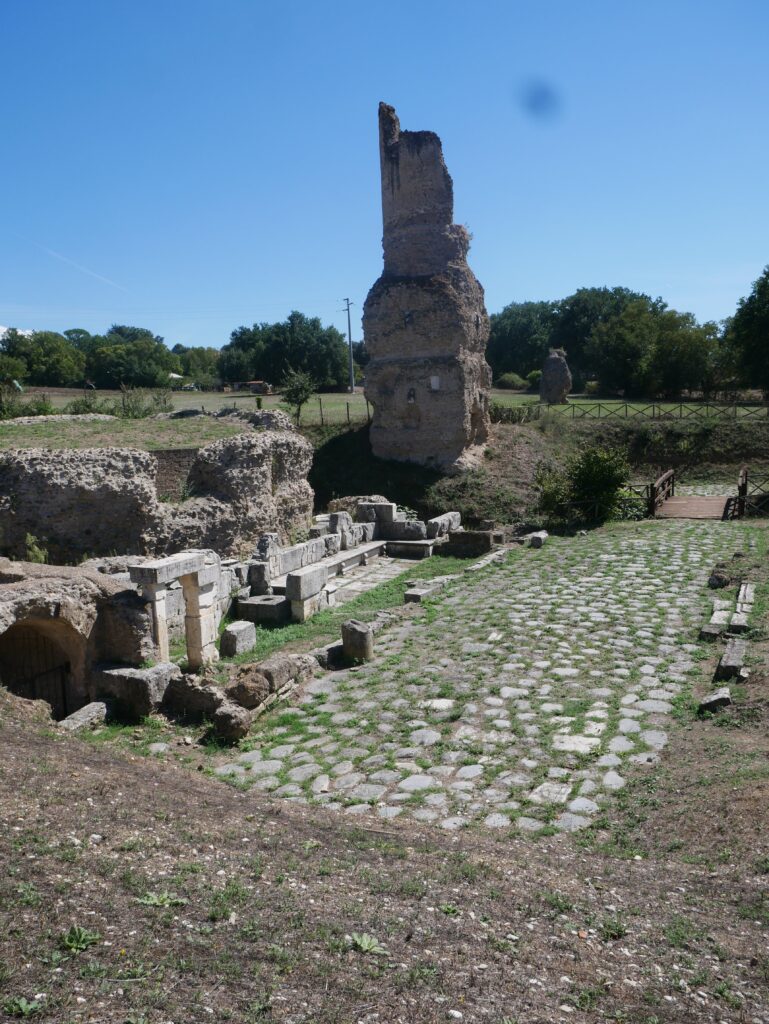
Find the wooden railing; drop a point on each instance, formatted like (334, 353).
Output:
(662, 489)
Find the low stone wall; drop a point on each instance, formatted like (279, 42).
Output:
(172, 475)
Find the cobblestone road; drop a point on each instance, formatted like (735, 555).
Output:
(521, 699)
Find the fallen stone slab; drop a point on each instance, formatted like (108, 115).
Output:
(739, 623)
(537, 540)
(237, 638)
(88, 717)
(134, 692)
(732, 659)
(711, 631)
(412, 548)
(415, 595)
(716, 700)
(249, 688)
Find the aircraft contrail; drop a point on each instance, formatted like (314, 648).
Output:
(82, 269)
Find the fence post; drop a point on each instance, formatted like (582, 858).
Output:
(320, 404)
(348, 414)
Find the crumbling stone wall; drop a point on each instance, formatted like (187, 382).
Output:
(104, 501)
(87, 616)
(425, 322)
(174, 465)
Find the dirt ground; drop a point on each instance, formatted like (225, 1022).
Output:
(140, 892)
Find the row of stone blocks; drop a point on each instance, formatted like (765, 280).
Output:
(727, 620)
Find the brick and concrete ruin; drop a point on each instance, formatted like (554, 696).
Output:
(555, 383)
(103, 501)
(424, 320)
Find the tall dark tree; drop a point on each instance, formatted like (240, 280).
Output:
(299, 343)
(748, 333)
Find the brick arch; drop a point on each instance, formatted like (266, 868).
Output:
(44, 659)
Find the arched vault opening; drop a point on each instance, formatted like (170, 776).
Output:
(44, 659)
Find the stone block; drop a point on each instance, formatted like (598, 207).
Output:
(410, 548)
(739, 623)
(441, 525)
(376, 511)
(300, 555)
(716, 700)
(537, 540)
(306, 582)
(264, 608)
(259, 576)
(134, 692)
(711, 631)
(333, 543)
(357, 640)
(339, 521)
(732, 659)
(409, 529)
(88, 717)
(415, 595)
(163, 570)
(282, 669)
(304, 609)
(237, 638)
(469, 543)
(319, 530)
(250, 688)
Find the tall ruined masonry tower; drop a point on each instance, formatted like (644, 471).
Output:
(424, 321)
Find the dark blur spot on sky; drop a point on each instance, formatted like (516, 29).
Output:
(539, 100)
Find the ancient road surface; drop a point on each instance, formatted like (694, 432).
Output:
(522, 698)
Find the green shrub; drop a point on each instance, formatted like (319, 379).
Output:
(139, 403)
(510, 382)
(34, 551)
(533, 379)
(590, 488)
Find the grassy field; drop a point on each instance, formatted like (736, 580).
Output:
(145, 434)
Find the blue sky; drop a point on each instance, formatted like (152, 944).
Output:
(193, 166)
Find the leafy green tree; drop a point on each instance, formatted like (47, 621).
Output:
(621, 349)
(199, 363)
(749, 334)
(577, 316)
(50, 359)
(299, 343)
(684, 354)
(297, 388)
(143, 363)
(12, 368)
(520, 337)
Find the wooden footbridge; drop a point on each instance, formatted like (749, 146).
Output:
(751, 498)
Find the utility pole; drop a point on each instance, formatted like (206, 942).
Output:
(349, 340)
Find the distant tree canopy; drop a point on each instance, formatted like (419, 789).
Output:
(301, 344)
(625, 340)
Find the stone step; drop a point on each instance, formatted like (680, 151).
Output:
(339, 563)
(413, 548)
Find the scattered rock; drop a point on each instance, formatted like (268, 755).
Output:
(716, 700)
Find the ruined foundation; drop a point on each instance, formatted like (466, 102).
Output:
(424, 320)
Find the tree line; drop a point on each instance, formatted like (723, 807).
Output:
(134, 357)
(616, 340)
(621, 340)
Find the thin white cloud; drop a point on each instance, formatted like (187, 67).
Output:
(82, 269)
